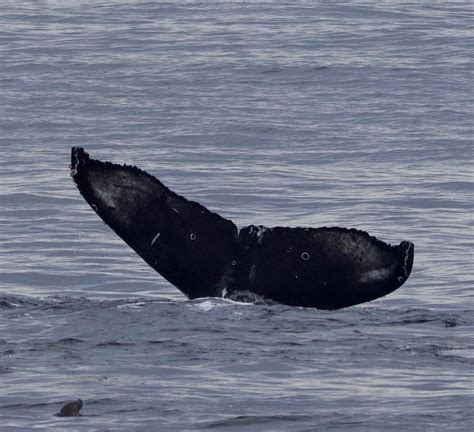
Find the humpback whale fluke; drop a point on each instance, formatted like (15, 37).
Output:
(205, 255)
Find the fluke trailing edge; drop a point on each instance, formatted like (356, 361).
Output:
(205, 255)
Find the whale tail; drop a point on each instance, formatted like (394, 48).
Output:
(204, 255)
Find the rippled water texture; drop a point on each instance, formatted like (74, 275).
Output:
(355, 114)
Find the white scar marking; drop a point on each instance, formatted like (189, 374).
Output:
(405, 261)
(261, 231)
(155, 239)
(375, 275)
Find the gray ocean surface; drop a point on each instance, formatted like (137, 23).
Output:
(302, 113)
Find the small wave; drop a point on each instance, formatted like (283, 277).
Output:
(249, 297)
(242, 421)
(462, 354)
(206, 305)
(24, 406)
(68, 341)
(14, 301)
(292, 70)
(413, 316)
(4, 370)
(71, 304)
(210, 303)
(21, 199)
(133, 305)
(455, 354)
(271, 71)
(159, 342)
(115, 344)
(6, 304)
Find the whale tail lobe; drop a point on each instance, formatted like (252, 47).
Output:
(327, 268)
(180, 239)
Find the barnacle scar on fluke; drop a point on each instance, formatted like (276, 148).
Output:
(205, 255)
(71, 409)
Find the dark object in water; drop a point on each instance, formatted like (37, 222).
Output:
(71, 409)
(204, 255)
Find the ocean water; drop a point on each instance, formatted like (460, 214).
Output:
(302, 113)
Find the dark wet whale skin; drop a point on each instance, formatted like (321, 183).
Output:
(205, 255)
